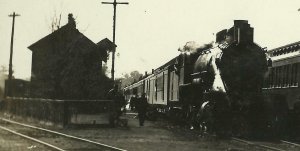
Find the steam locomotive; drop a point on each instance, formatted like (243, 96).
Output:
(216, 87)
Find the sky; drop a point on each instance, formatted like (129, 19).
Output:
(148, 32)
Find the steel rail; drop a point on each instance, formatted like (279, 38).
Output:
(255, 144)
(32, 139)
(290, 143)
(62, 134)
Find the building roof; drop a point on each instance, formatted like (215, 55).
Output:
(59, 32)
(70, 39)
(106, 43)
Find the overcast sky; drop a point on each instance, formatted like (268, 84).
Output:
(149, 32)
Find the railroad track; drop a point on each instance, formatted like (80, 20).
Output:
(52, 139)
(291, 144)
(270, 146)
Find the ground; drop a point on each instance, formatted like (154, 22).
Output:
(10, 142)
(153, 136)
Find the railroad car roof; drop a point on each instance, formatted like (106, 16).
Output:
(171, 62)
(291, 45)
(285, 52)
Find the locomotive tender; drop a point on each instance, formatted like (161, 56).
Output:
(217, 86)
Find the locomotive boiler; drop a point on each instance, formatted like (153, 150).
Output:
(216, 87)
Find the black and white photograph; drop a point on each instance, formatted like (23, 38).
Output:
(149, 75)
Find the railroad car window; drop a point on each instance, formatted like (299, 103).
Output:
(134, 91)
(166, 83)
(163, 89)
(140, 90)
(297, 74)
(276, 77)
(172, 85)
(269, 79)
(288, 75)
(160, 85)
(148, 88)
(175, 86)
(280, 76)
(155, 88)
(284, 77)
(145, 86)
(294, 75)
(272, 80)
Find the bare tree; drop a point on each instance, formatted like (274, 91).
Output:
(55, 22)
(3, 69)
(130, 78)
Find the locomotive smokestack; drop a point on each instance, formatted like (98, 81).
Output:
(243, 33)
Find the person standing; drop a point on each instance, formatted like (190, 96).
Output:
(117, 105)
(142, 105)
(132, 104)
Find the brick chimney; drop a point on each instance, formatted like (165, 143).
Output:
(71, 20)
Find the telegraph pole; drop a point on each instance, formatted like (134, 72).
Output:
(114, 35)
(11, 53)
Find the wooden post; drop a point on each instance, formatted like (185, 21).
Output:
(114, 35)
(11, 54)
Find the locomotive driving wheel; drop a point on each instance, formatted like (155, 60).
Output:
(240, 126)
(205, 118)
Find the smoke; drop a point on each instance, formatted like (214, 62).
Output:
(193, 47)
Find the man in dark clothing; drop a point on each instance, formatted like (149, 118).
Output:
(142, 105)
(133, 101)
(118, 103)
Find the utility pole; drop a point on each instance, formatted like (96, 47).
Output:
(11, 53)
(114, 35)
